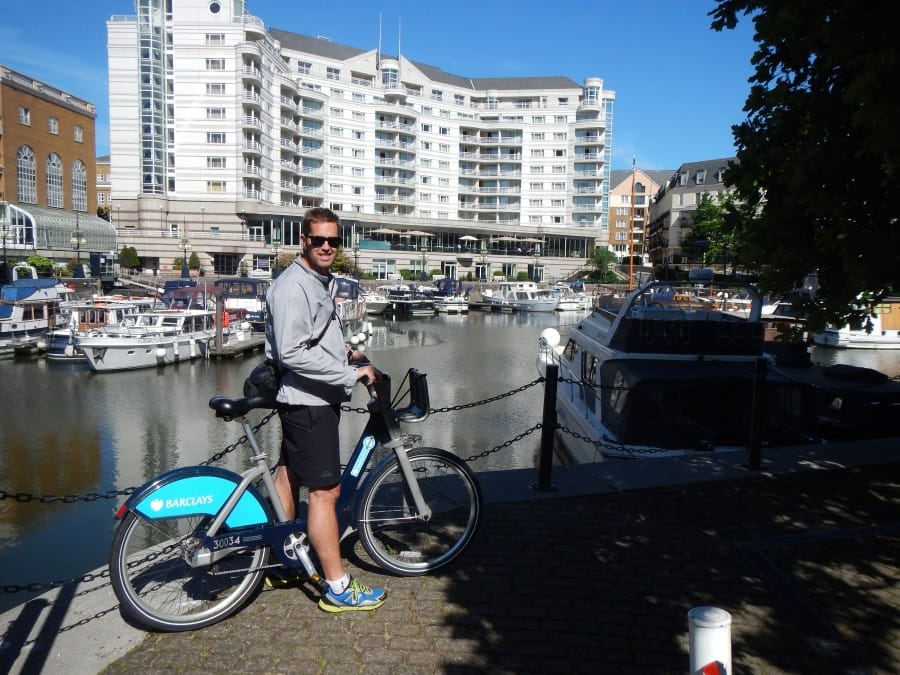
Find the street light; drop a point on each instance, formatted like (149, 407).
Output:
(77, 240)
(355, 236)
(276, 249)
(185, 246)
(483, 261)
(537, 261)
(424, 248)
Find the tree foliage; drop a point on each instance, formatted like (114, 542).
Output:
(600, 262)
(128, 258)
(818, 151)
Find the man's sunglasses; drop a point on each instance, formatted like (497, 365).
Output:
(316, 241)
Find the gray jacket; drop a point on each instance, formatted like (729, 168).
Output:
(300, 310)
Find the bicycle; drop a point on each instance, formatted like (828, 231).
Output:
(193, 545)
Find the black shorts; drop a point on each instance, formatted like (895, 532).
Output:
(310, 445)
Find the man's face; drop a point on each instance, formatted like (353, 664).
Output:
(318, 252)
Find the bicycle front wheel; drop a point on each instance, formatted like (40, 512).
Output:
(396, 536)
(159, 590)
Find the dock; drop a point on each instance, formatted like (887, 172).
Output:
(254, 343)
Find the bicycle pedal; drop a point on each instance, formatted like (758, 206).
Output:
(285, 579)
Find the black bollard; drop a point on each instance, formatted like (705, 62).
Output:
(757, 410)
(548, 428)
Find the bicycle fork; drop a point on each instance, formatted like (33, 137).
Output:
(422, 509)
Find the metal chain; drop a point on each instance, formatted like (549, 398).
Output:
(606, 441)
(492, 399)
(508, 443)
(14, 588)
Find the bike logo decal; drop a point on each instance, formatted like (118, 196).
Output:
(201, 495)
(368, 444)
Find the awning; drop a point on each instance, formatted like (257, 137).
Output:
(468, 237)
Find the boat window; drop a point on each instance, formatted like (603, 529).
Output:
(571, 350)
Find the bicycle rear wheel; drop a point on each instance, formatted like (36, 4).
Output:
(159, 590)
(390, 529)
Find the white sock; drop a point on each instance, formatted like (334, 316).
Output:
(339, 586)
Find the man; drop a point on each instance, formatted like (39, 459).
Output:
(304, 336)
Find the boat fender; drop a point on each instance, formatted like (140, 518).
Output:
(848, 373)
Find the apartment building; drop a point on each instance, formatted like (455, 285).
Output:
(630, 195)
(46, 172)
(670, 212)
(238, 129)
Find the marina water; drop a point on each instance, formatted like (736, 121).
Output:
(67, 431)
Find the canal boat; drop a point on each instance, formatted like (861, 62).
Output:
(29, 307)
(682, 368)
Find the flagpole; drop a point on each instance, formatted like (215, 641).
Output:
(631, 228)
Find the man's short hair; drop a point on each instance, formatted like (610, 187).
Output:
(319, 214)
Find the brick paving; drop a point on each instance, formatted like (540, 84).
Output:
(806, 564)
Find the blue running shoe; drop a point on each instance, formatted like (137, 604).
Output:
(357, 597)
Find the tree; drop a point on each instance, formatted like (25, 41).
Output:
(194, 261)
(42, 264)
(104, 212)
(818, 151)
(128, 258)
(716, 230)
(600, 262)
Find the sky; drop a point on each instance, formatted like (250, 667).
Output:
(680, 86)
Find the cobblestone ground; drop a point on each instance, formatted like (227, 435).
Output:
(805, 563)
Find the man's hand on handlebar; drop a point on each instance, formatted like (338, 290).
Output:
(368, 374)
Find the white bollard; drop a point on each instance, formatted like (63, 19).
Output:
(710, 641)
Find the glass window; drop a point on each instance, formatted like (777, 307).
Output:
(78, 134)
(215, 88)
(215, 113)
(26, 174)
(215, 186)
(213, 39)
(53, 126)
(215, 64)
(333, 73)
(216, 137)
(215, 162)
(54, 181)
(304, 67)
(79, 186)
(24, 116)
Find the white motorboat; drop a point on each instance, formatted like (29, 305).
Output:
(409, 300)
(376, 302)
(524, 296)
(673, 369)
(156, 338)
(879, 330)
(91, 318)
(449, 298)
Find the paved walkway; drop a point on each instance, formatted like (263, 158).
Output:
(597, 576)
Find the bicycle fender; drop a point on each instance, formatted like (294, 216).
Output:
(199, 490)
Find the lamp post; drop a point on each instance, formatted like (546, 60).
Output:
(77, 240)
(3, 229)
(483, 261)
(355, 236)
(424, 248)
(537, 262)
(276, 249)
(185, 246)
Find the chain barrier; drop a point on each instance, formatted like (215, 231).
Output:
(606, 441)
(112, 494)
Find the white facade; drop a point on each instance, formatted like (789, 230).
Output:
(208, 108)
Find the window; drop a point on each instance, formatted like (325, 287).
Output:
(359, 98)
(26, 174)
(54, 181)
(337, 93)
(437, 95)
(425, 161)
(359, 153)
(444, 164)
(459, 99)
(558, 169)
(335, 150)
(359, 135)
(359, 171)
(217, 137)
(53, 126)
(557, 203)
(215, 186)
(537, 136)
(535, 202)
(560, 135)
(336, 112)
(336, 131)
(701, 177)
(426, 127)
(304, 67)
(444, 147)
(79, 186)
(426, 145)
(536, 186)
(24, 116)
(445, 131)
(336, 169)
(426, 180)
(215, 64)
(215, 88)
(78, 134)
(215, 162)
(425, 196)
(333, 73)
(336, 187)
(560, 119)
(534, 220)
(537, 153)
(538, 119)
(425, 214)
(215, 113)
(559, 153)
(558, 186)
(214, 39)
(359, 116)
(445, 113)
(357, 190)
(444, 199)
(427, 110)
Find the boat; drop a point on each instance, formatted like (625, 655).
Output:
(449, 298)
(90, 318)
(569, 300)
(674, 368)
(376, 302)
(29, 308)
(245, 293)
(351, 304)
(523, 296)
(159, 338)
(409, 300)
(880, 329)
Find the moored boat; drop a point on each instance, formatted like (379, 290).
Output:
(449, 298)
(523, 296)
(674, 368)
(879, 330)
(29, 307)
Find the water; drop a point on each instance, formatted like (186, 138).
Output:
(66, 430)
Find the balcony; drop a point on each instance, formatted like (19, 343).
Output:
(253, 147)
(251, 121)
(251, 73)
(251, 97)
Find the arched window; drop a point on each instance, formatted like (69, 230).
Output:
(54, 181)
(26, 176)
(79, 186)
